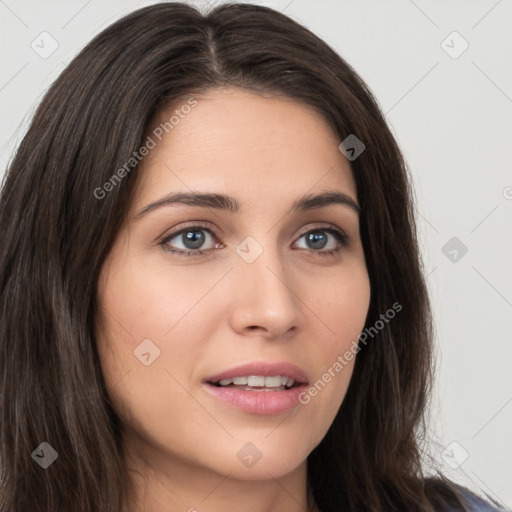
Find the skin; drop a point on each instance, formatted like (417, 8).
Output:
(208, 313)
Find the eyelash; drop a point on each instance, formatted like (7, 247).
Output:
(340, 236)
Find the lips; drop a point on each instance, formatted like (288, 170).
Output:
(250, 396)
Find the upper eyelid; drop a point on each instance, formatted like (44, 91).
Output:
(207, 226)
(198, 224)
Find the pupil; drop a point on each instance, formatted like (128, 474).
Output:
(318, 240)
(194, 239)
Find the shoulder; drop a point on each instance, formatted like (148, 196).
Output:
(478, 504)
(447, 496)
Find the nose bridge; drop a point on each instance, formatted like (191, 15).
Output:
(266, 297)
(260, 266)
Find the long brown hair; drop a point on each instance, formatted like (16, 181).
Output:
(56, 233)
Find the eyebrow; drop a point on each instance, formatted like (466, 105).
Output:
(231, 205)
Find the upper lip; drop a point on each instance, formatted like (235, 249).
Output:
(265, 369)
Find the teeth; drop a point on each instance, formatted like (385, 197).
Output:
(272, 382)
(259, 381)
(256, 380)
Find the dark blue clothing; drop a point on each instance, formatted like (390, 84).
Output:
(480, 505)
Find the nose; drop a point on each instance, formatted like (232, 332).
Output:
(264, 301)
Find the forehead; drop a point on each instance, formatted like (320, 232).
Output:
(243, 144)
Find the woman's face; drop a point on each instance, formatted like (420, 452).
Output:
(280, 284)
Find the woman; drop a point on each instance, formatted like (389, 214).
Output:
(211, 293)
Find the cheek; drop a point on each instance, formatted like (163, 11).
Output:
(149, 299)
(150, 344)
(343, 305)
(153, 314)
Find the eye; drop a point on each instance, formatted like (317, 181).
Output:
(318, 238)
(191, 240)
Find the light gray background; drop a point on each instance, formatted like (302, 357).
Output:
(451, 117)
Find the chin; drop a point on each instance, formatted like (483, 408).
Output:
(262, 458)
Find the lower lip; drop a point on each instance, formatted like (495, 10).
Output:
(258, 402)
